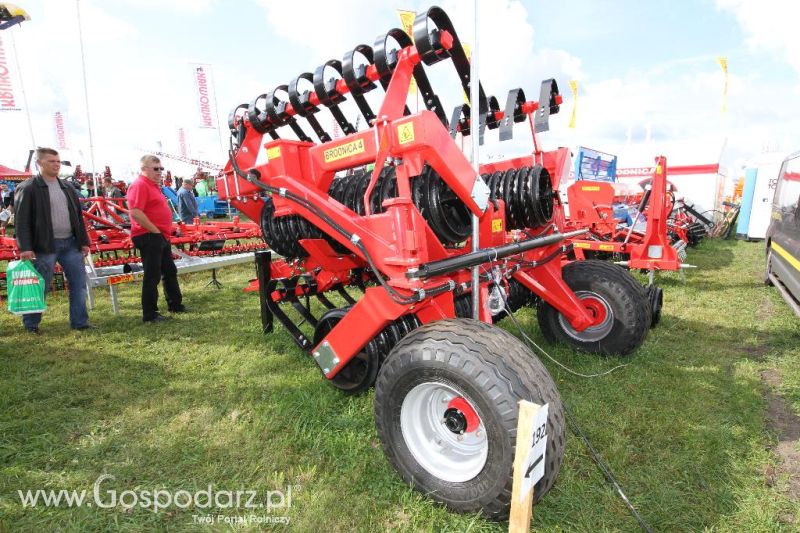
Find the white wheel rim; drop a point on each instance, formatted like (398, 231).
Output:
(449, 456)
(593, 333)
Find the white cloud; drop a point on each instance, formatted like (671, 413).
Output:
(769, 25)
(136, 98)
(679, 99)
(184, 6)
(327, 29)
(509, 56)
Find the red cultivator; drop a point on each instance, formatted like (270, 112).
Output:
(107, 224)
(661, 246)
(591, 207)
(446, 387)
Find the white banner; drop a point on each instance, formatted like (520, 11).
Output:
(8, 99)
(182, 142)
(61, 134)
(204, 96)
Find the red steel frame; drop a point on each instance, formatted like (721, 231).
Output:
(398, 240)
(591, 207)
(106, 226)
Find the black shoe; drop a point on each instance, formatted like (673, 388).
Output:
(34, 331)
(85, 327)
(157, 318)
(181, 309)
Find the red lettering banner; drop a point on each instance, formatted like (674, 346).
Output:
(182, 142)
(204, 95)
(61, 135)
(8, 100)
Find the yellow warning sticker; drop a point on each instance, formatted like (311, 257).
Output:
(405, 133)
(591, 188)
(659, 170)
(497, 225)
(582, 245)
(273, 153)
(606, 247)
(343, 150)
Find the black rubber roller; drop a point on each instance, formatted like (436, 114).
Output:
(282, 234)
(444, 212)
(527, 193)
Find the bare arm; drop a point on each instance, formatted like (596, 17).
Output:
(139, 216)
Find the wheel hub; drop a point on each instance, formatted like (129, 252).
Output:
(444, 432)
(461, 415)
(602, 314)
(455, 421)
(597, 308)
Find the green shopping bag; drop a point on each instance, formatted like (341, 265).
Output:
(25, 288)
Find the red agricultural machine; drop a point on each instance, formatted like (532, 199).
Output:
(446, 383)
(670, 225)
(656, 248)
(107, 223)
(108, 227)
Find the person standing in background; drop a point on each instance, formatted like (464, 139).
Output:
(187, 203)
(151, 227)
(110, 190)
(6, 196)
(50, 229)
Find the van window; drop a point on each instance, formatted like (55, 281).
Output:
(788, 192)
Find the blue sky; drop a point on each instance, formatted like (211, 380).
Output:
(647, 71)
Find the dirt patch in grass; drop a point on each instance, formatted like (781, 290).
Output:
(786, 426)
(756, 352)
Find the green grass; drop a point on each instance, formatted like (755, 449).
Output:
(207, 398)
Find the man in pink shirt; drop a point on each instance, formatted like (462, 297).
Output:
(151, 226)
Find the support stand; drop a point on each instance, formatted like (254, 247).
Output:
(214, 280)
(263, 272)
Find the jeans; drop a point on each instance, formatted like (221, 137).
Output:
(69, 256)
(158, 265)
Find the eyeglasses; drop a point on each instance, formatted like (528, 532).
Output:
(158, 169)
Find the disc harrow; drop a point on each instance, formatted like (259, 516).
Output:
(378, 248)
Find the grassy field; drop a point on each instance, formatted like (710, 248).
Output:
(208, 399)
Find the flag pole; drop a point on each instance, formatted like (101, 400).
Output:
(216, 108)
(86, 97)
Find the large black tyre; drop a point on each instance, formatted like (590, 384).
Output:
(768, 268)
(611, 290)
(656, 297)
(486, 371)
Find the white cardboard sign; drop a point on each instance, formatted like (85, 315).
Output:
(534, 464)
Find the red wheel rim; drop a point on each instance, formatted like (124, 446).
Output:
(597, 308)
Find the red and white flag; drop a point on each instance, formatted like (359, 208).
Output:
(182, 142)
(204, 94)
(61, 134)
(8, 94)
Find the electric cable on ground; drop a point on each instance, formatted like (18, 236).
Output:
(576, 429)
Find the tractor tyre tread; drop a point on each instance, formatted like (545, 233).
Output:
(503, 371)
(628, 298)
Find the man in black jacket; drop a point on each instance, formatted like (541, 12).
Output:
(50, 228)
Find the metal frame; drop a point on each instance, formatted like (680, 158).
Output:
(111, 276)
(397, 242)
